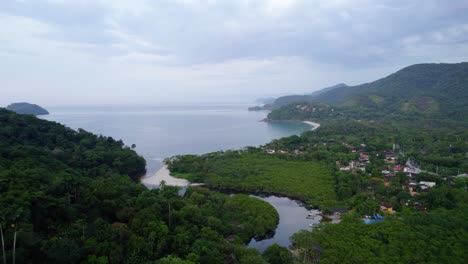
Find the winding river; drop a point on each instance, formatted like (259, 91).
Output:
(292, 213)
(292, 219)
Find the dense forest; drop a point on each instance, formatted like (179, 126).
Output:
(254, 171)
(73, 197)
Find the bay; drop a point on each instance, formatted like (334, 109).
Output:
(161, 131)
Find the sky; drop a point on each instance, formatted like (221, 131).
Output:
(56, 52)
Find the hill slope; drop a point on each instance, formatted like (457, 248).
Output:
(291, 99)
(434, 89)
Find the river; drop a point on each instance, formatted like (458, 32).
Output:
(292, 219)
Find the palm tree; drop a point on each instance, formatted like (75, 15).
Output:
(3, 244)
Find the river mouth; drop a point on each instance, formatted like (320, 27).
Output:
(293, 213)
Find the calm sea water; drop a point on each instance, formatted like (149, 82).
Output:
(162, 131)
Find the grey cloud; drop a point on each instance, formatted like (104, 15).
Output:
(248, 46)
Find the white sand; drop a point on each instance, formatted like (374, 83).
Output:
(163, 175)
(313, 124)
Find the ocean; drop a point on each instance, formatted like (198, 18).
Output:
(161, 131)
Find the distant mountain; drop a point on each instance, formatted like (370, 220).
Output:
(290, 99)
(431, 90)
(421, 88)
(327, 89)
(265, 100)
(27, 109)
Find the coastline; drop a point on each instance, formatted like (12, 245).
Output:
(313, 124)
(163, 174)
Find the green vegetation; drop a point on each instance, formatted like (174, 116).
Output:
(276, 254)
(305, 111)
(72, 197)
(258, 172)
(439, 236)
(27, 109)
(398, 144)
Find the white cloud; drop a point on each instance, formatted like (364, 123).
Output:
(279, 8)
(143, 49)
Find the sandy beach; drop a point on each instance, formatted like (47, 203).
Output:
(163, 175)
(313, 124)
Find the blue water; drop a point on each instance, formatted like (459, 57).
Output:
(161, 131)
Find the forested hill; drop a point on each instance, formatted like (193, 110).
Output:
(429, 90)
(27, 109)
(68, 197)
(25, 138)
(290, 99)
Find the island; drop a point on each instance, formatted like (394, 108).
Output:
(27, 109)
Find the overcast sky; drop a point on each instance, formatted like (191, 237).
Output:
(149, 51)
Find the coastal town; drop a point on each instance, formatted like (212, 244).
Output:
(390, 167)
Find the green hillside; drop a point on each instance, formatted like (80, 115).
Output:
(291, 99)
(430, 91)
(439, 90)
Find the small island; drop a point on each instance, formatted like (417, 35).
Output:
(27, 109)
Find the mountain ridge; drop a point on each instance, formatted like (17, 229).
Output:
(430, 90)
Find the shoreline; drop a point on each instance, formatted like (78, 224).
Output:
(313, 124)
(163, 174)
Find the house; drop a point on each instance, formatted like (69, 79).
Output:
(412, 192)
(428, 184)
(410, 171)
(412, 183)
(398, 168)
(386, 208)
(363, 156)
(298, 152)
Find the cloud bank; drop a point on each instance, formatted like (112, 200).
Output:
(141, 51)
